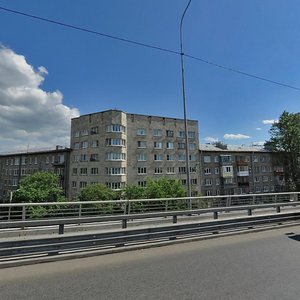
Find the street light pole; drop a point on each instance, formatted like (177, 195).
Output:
(184, 110)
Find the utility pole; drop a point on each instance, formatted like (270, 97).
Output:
(187, 154)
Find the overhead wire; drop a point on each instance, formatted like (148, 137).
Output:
(148, 46)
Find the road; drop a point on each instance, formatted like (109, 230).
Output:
(263, 265)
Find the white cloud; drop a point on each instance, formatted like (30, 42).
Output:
(211, 139)
(269, 122)
(231, 136)
(258, 128)
(28, 114)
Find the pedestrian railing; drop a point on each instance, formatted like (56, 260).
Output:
(80, 209)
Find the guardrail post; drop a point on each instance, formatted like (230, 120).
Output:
(80, 210)
(216, 216)
(174, 219)
(61, 228)
(166, 205)
(228, 201)
(249, 212)
(128, 208)
(23, 213)
(278, 209)
(124, 223)
(253, 201)
(275, 198)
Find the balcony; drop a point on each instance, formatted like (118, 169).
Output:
(242, 173)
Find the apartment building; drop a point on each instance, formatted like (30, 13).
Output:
(117, 148)
(15, 166)
(239, 170)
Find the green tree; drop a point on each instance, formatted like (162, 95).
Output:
(285, 140)
(39, 187)
(99, 192)
(96, 192)
(133, 191)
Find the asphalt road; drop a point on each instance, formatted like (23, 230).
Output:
(263, 265)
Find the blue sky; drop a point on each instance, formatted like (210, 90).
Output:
(94, 73)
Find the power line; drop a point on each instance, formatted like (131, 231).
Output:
(242, 73)
(89, 30)
(148, 46)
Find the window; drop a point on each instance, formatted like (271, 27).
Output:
(192, 146)
(192, 157)
(208, 193)
(242, 168)
(115, 156)
(207, 171)
(181, 134)
(158, 157)
(142, 144)
(95, 144)
(47, 160)
(115, 128)
(141, 131)
(142, 170)
(94, 171)
(84, 132)
(76, 145)
(255, 159)
(257, 189)
(226, 159)
(217, 170)
(191, 134)
(83, 184)
(14, 182)
(74, 171)
(263, 168)
(115, 142)
(170, 145)
(94, 157)
(74, 184)
(218, 192)
(115, 185)
(193, 169)
(170, 157)
(83, 157)
(265, 178)
(115, 171)
(262, 159)
(266, 188)
(207, 181)
(158, 145)
(228, 180)
(83, 171)
(84, 145)
(169, 133)
(181, 157)
(181, 170)
(142, 183)
(76, 158)
(207, 159)
(183, 181)
(95, 130)
(256, 169)
(157, 132)
(227, 169)
(217, 181)
(216, 159)
(35, 160)
(170, 170)
(158, 170)
(256, 179)
(193, 181)
(141, 157)
(181, 145)
(76, 134)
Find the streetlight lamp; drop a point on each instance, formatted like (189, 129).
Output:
(184, 110)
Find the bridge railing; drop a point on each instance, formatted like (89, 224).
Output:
(79, 209)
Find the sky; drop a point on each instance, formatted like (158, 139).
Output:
(50, 73)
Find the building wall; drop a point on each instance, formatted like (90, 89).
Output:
(14, 167)
(238, 172)
(130, 149)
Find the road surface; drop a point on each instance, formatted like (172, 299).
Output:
(263, 265)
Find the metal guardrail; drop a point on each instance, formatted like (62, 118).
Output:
(125, 217)
(46, 210)
(71, 244)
